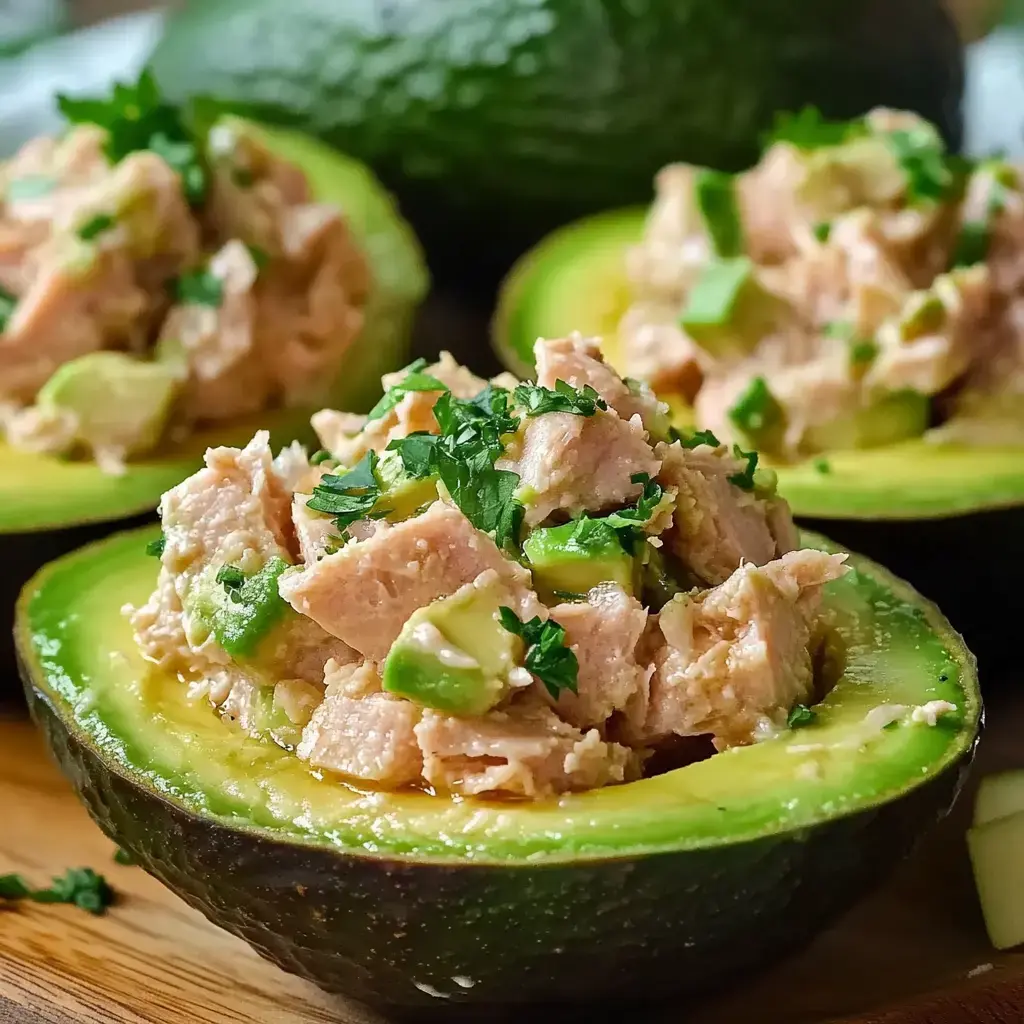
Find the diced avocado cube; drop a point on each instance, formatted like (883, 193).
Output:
(121, 403)
(454, 655)
(999, 796)
(894, 417)
(923, 314)
(401, 493)
(728, 311)
(238, 610)
(997, 856)
(573, 558)
(715, 196)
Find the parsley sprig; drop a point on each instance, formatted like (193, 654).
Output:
(155, 547)
(414, 380)
(136, 118)
(744, 479)
(547, 655)
(808, 130)
(535, 399)
(81, 887)
(628, 523)
(200, 288)
(351, 496)
(696, 439)
(800, 715)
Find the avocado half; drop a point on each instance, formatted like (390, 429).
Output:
(675, 883)
(50, 505)
(967, 502)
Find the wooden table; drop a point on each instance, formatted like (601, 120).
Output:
(151, 959)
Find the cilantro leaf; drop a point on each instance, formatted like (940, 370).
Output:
(415, 450)
(122, 856)
(547, 655)
(349, 497)
(921, 154)
(156, 547)
(200, 288)
(756, 411)
(95, 226)
(697, 439)
(863, 351)
(537, 400)
(32, 186)
(745, 479)
(182, 156)
(809, 130)
(14, 887)
(971, 244)
(822, 231)
(800, 715)
(8, 302)
(414, 380)
(628, 523)
(823, 466)
(715, 195)
(230, 577)
(79, 886)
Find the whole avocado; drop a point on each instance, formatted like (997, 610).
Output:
(496, 120)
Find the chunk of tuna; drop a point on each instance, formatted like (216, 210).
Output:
(368, 739)
(578, 361)
(603, 633)
(717, 524)
(366, 592)
(523, 751)
(735, 659)
(578, 463)
(315, 531)
(658, 350)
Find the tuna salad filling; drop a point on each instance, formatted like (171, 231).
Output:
(154, 279)
(490, 588)
(858, 286)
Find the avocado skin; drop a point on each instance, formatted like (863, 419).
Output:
(496, 120)
(369, 927)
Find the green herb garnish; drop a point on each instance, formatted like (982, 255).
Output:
(156, 546)
(745, 479)
(32, 186)
(714, 295)
(137, 118)
(971, 244)
(321, 456)
(8, 302)
(547, 655)
(922, 156)
(415, 450)
(800, 715)
(808, 130)
(757, 410)
(715, 194)
(698, 438)
(414, 380)
(230, 577)
(822, 230)
(348, 497)
(863, 351)
(122, 856)
(96, 226)
(200, 288)
(628, 523)
(537, 400)
(822, 466)
(81, 887)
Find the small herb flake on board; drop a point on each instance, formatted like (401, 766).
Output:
(80, 887)
(123, 857)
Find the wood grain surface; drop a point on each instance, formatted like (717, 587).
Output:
(915, 953)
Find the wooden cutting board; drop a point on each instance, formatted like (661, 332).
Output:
(915, 953)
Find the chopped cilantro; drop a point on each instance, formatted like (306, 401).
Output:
(971, 244)
(156, 546)
(698, 438)
(745, 479)
(716, 291)
(96, 226)
(537, 400)
(757, 410)
(122, 856)
(547, 655)
(259, 256)
(32, 186)
(800, 715)
(200, 288)
(863, 351)
(628, 523)
(230, 577)
(822, 231)
(415, 451)
(137, 118)
(321, 456)
(921, 154)
(414, 380)
(822, 466)
(182, 156)
(348, 497)
(8, 301)
(715, 194)
(808, 130)
(81, 887)
(242, 177)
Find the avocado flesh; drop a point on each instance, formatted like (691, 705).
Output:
(575, 280)
(561, 565)
(773, 843)
(44, 493)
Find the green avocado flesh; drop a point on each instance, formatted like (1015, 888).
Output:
(42, 492)
(675, 883)
(574, 280)
(80, 654)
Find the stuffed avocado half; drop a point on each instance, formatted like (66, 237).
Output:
(515, 657)
(848, 306)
